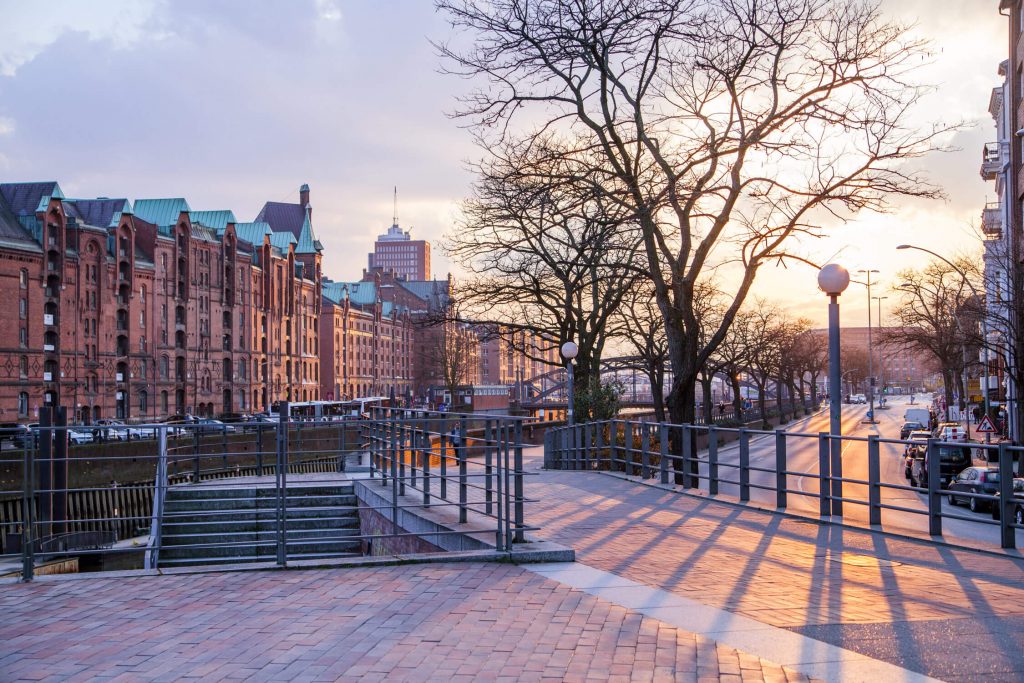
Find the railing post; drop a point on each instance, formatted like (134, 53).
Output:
(780, 469)
(588, 435)
(461, 450)
(443, 449)
(502, 490)
(195, 452)
(824, 475)
(663, 449)
(152, 560)
(259, 450)
(934, 490)
(712, 460)
(489, 439)
(393, 453)
(836, 472)
(518, 484)
(425, 464)
(744, 465)
(645, 451)
(874, 482)
(1007, 534)
(28, 512)
(686, 432)
(281, 484)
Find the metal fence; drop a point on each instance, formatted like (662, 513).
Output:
(775, 467)
(193, 493)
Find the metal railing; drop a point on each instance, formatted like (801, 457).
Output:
(804, 473)
(283, 490)
(471, 463)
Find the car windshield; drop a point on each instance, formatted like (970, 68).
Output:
(1018, 485)
(955, 454)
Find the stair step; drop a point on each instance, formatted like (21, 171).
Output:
(205, 492)
(257, 514)
(266, 524)
(267, 548)
(198, 504)
(250, 558)
(215, 537)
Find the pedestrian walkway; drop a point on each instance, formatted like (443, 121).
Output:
(665, 587)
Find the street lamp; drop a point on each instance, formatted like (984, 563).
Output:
(833, 279)
(569, 351)
(956, 318)
(880, 365)
(871, 372)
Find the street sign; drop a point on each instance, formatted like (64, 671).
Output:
(985, 426)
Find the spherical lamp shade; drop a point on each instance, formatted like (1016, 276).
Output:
(569, 350)
(833, 279)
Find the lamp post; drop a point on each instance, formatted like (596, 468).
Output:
(881, 372)
(871, 372)
(569, 351)
(833, 279)
(984, 330)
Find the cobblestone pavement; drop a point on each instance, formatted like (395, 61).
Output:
(953, 614)
(448, 622)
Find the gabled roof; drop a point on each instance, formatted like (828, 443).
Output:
(161, 212)
(359, 293)
(25, 199)
(101, 213)
(254, 232)
(218, 220)
(433, 292)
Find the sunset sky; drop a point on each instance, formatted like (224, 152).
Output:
(231, 104)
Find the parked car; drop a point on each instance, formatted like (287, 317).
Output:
(208, 425)
(975, 480)
(911, 426)
(949, 431)
(13, 432)
(915, 449)
(858, 398)
(952, 459)
(1018, 503)
(79, 436)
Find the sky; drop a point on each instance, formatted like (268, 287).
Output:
(233, 103)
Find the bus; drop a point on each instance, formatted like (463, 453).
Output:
(329, 411)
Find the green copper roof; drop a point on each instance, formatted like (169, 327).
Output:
(161, 212)
(218, 220)
(281, 240)
(253, 232)
(45, 200)
(307, 243)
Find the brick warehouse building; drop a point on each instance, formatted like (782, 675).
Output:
(143, 311)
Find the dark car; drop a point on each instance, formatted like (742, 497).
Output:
(1018, 503)
(14, 432)
(909, 427)
(952, 459)
(975, 480)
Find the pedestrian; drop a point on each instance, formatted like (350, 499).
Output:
(721, 409)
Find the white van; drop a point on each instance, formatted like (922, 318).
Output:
(922, 415)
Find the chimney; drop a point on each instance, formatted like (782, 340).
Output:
(304, 195)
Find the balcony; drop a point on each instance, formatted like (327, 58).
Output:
(49, 318)
(991, 161)
(992, 221)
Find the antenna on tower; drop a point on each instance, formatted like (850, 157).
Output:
(394, 217)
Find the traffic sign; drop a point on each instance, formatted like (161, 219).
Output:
(985, 426)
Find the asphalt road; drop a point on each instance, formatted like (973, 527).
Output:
(802, 457)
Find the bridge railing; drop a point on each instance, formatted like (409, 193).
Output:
(722, 462)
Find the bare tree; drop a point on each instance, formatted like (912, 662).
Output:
(724, 127)
(642, 328)
(935, 306)
(548, 254)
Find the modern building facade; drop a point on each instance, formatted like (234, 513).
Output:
(397, 252)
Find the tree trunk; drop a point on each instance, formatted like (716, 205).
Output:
(762, 404)
(947, 387)
(802, 389)
(815, 397)
(709, 408)
(656, 376)
(779, 401)
(681, 411)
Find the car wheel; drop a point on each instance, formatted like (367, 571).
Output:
(973, 505)
(952, 500)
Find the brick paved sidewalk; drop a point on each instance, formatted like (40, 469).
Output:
(448, 622)
(954, 614)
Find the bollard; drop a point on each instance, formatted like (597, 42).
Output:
(1007, 533)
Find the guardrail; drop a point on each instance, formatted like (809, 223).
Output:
(283, 491)
(694, 457)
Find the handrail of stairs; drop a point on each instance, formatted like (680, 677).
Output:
(152, 555)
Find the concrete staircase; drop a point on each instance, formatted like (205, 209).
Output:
(212, 525)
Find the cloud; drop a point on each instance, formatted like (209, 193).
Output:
(6, 125)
